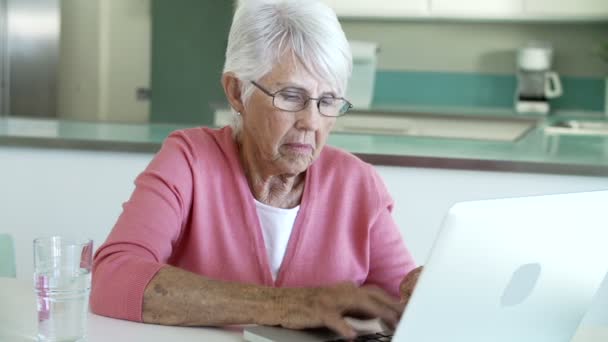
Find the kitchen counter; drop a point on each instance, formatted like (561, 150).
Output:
(536, 152)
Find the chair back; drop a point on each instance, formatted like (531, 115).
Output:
(7, 257)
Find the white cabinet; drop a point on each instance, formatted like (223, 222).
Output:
(510, 10)
(381, 8)
(476, 8)
(567, 8)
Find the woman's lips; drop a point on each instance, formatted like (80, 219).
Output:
(301, 148)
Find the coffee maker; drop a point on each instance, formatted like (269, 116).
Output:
(536, 83)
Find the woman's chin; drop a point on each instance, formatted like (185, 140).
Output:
(295, 164)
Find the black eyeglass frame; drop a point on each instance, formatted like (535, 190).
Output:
(349, 105)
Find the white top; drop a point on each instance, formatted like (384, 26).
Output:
(277, 224)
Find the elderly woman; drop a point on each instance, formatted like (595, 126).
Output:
(260, 222)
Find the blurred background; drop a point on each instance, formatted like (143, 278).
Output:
(159, 61)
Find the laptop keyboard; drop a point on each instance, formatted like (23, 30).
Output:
(377, 337)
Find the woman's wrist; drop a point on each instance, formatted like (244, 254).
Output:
(280, 304)
(272, 307)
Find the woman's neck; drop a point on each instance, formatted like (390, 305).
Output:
(269, 186)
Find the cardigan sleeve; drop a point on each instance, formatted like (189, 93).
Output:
(390, 260)
(142, 240)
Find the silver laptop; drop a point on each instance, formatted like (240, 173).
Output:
(519, 269)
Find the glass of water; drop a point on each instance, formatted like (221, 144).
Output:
(62, 282)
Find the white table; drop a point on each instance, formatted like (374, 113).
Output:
(18, 323)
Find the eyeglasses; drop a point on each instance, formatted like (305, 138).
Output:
(294, 101)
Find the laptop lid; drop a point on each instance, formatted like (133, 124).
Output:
(519, 269)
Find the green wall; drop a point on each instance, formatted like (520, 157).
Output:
(188, 45)
(471, 90)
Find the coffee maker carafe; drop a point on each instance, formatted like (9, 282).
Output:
(536, 83)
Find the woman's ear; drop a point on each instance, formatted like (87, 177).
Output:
(232, 89)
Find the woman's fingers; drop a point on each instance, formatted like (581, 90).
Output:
(409, 283)
(337, 323)
(385, 299)
(369, 307)
(372, 304)
(328, 306)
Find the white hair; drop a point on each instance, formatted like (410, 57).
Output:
(263, 31)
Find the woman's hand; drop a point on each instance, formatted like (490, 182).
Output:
(327, 306)
(408, 284)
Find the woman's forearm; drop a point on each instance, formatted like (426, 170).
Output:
(178, 297)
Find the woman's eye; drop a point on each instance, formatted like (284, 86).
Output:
(328, 101)
(292, 97)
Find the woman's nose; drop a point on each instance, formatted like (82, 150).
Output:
(309, 118)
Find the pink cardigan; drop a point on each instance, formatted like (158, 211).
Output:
(192, 208)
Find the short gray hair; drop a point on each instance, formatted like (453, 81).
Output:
(263, 31)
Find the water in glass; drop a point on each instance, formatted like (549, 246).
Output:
(62, 283)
